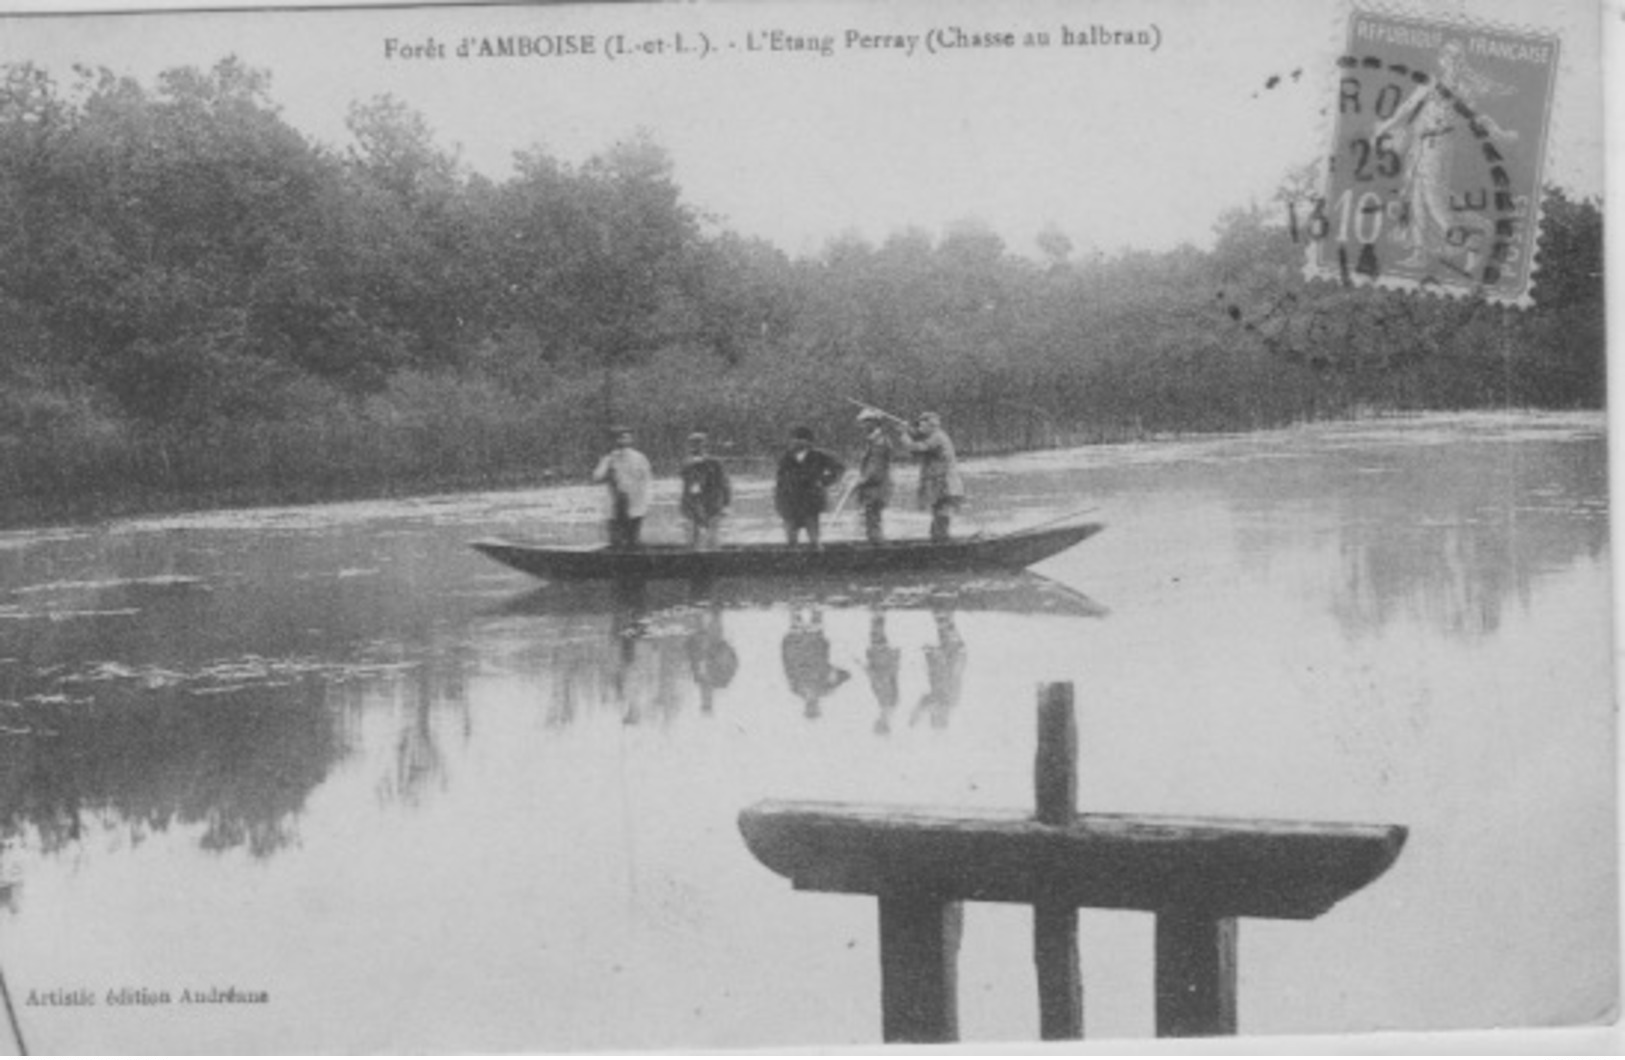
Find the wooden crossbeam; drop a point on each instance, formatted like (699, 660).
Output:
(1281, 870)
(1198, 875)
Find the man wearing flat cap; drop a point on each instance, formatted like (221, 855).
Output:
(707, 493)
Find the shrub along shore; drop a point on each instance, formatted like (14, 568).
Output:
(200, 306)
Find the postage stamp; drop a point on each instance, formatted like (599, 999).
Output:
(1433, 176)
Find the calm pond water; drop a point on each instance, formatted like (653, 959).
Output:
(334, 755)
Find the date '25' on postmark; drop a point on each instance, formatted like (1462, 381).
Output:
(1433, 180)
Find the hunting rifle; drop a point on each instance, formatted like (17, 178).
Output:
(876, 408)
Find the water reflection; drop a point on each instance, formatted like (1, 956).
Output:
(437, 700)
(663, 644)
(138, 703)
(241, 770)
(882, 662)
(1449, 534)
(711, 659)
(1023, 593)
(945, 669)
(807, 668)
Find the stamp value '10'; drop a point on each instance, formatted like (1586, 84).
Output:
(1434, 175)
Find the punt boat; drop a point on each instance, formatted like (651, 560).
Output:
(1011, 551)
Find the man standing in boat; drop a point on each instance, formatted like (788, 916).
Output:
(874, 474)
(629, 476)
(942, 490)
(801, 492)
(707, 493)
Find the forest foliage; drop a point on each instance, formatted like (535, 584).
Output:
(198, 302)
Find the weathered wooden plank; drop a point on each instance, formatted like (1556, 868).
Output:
(1232, 868)
(919, 968)
(1196, 974)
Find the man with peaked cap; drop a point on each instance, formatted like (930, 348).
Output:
(707, 493)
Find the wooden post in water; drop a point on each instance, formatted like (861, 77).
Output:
(919, 968)
(1055, 924)
(1196, 974)
(1198, 875)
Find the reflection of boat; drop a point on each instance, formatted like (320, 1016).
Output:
(1021, 592)
(1011, 551)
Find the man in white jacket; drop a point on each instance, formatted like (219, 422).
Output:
(629, 476)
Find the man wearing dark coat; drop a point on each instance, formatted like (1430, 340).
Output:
(707, 493)
(801, 492)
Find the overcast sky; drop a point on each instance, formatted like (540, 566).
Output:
(1117, 147)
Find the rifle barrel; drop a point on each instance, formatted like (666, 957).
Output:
(890, 416)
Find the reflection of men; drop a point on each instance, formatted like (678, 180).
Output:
(711, 658)
(1426, 129)
(628, 475)
(945, 670)
(882, 663)
(806, 660)
(629, 623)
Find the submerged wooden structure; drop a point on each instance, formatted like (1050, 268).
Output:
(1197, 875)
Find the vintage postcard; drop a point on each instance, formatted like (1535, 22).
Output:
(581, 528)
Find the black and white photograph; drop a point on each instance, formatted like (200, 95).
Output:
(797, 525)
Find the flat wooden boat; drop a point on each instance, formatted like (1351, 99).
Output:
(1012, 551)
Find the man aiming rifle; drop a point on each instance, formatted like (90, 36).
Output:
(941, 489)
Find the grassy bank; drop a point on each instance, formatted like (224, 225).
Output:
(445, 433)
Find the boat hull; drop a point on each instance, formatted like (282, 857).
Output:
(1013, 551)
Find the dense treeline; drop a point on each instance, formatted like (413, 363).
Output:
(198, 302)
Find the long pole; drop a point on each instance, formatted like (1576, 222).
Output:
(890, 416)
(845, 495)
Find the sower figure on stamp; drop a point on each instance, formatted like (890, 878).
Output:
(707, 493)
(801, 492)
(941, 489)
(1426, 129)
(627, 474)
(874, 474)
